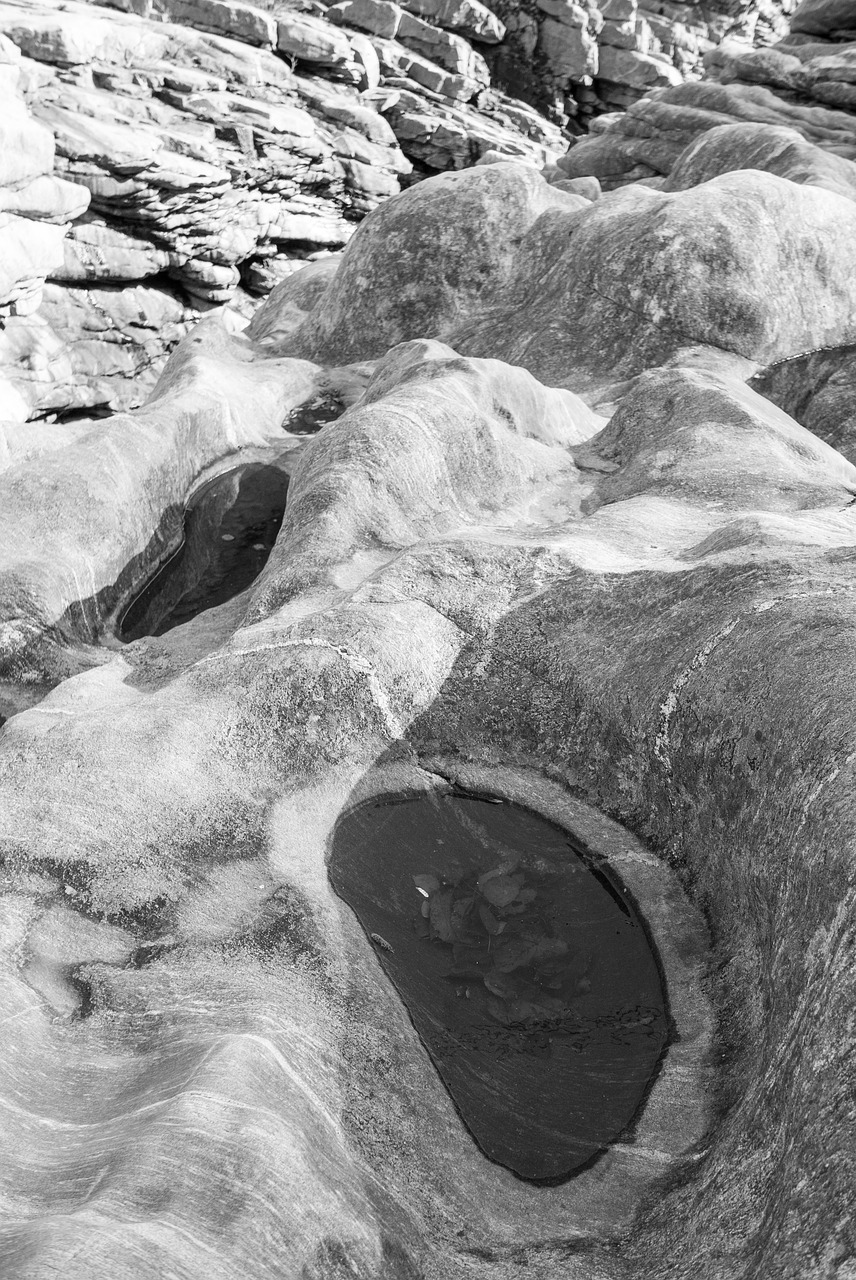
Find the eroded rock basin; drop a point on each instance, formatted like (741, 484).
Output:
(230, 527)
(524, 965)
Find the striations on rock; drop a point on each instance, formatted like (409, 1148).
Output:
(578, 532)
(204, 150)
(555, 549)
(242, 140)
(789, 109)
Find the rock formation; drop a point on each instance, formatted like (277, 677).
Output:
(680, 135)
(569, 543)
(201, 153)
(196, 152)
(578, 537)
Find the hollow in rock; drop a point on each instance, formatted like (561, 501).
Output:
(523, 964)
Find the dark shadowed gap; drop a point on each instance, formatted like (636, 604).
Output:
(307, 419)
(792, 384)
(526, 971)
(90, 413)
(230, 526)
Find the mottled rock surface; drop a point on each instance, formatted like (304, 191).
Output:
(555, 548)
(817, 390)
(787, 109)
(782, 151)
(585, 293)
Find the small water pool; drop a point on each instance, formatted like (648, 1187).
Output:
(523, 964)
(230, 526)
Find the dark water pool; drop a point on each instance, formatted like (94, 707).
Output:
(524, 967)
(230, 526)
(307, 419)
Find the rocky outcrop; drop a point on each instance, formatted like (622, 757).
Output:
(580, 60)
(773, 149)
(201, 152)
(817, 391)
(212, 399)
(826, 18)
(632, 280)
(787, 109)
(35, 206)
(555, 549)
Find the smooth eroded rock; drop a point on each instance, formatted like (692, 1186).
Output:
(784, 152)
(585, 291)
(655, 614)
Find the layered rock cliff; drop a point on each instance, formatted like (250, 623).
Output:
(197, 151)
(200, 153)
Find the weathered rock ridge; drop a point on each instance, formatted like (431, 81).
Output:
(565, 544)
(198, 153)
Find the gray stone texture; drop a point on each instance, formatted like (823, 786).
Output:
(556, 548)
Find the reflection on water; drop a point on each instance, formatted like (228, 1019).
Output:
(230, 526)
(525, 969)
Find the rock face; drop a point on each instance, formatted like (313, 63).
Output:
(631, 281)
(782, 151)
(35, 206)
(555, 549)
(817, 390)
(581, 59)
(201, 152)
(197, 152)
(787, 109)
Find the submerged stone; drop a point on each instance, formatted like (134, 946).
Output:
(523, 964)
(230, 526)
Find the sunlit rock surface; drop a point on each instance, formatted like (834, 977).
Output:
(555, 549)
(165, 157)
(583, 293)
(196, 154)
(787, 109)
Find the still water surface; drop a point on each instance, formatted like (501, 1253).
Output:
(524, 966)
